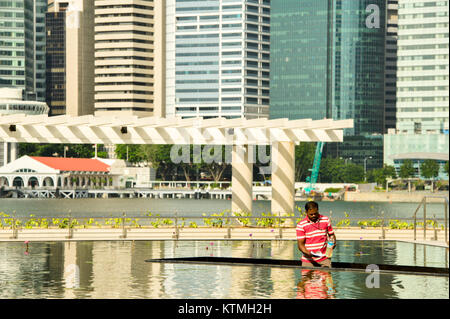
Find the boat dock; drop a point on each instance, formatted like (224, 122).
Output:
(258, 193)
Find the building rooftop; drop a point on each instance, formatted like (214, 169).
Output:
(73, 164)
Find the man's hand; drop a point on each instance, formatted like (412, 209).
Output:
(333, 238)
(302, 248)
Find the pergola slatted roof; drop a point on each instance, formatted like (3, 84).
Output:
(281, 134)
(154, 130)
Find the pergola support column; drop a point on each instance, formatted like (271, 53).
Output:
(283, 178)
(242, 180)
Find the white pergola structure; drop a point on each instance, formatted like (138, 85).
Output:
(242, 134)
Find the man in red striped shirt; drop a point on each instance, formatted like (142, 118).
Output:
(312, 232)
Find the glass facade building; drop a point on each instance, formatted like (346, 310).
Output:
(390, 85)
(35, 39)
(327, 60)
(22, 46)
(218, 58)
(12, 44)
(56, 62)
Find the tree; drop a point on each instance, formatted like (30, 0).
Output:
(407, 169)
(376, 175)
(217, 167)
(446, 167)
(29, 149)
(74, 150)
(389, 171)
(132, 151)
(304, 159)
(159, 157)
(352, 173)
(429, 169)
(380, 175)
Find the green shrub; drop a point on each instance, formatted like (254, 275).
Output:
(332, 190)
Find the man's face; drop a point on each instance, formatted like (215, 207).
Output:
(313, 214)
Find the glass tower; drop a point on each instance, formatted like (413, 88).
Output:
(56, 61)
(218, 58)
(22, 46)
(12, 44)
(327, 60)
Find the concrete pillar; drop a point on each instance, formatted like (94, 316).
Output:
(242, 178)
(5, 153)
(14, 151)
(283, 178)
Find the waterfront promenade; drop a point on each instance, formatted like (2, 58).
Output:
(177, 191)
(433, 236)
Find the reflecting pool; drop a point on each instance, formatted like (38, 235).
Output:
(117, 269)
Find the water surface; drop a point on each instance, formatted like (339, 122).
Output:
(192, 207)
(117, 269)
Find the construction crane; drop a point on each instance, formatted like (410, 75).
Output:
(315, 169)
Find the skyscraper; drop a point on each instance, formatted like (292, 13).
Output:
(390, 84)
(128, 54)
(35, 49)
(56, 57)
(70, 57)
(218, 58)
(422, 76)
(327, 60)
(22, 46)
(422, 83)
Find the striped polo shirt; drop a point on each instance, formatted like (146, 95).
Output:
(315, 234)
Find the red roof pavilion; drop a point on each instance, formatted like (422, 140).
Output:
(73, 164)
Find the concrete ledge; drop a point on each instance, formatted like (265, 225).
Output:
(208, 233)
(400, 197)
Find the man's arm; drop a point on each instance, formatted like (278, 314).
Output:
(302, 248)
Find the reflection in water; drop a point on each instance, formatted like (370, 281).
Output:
(117, 269)
(315, 284)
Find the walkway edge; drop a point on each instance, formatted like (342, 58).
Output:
(435, 238)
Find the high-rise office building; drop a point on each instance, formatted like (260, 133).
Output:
(328, 60)
(218, 58)
(422, 83)
(422, 76)
(128, 56)
(70, 57)
(35, 48)
(22, 46)
(390, 85)
(56, 57)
